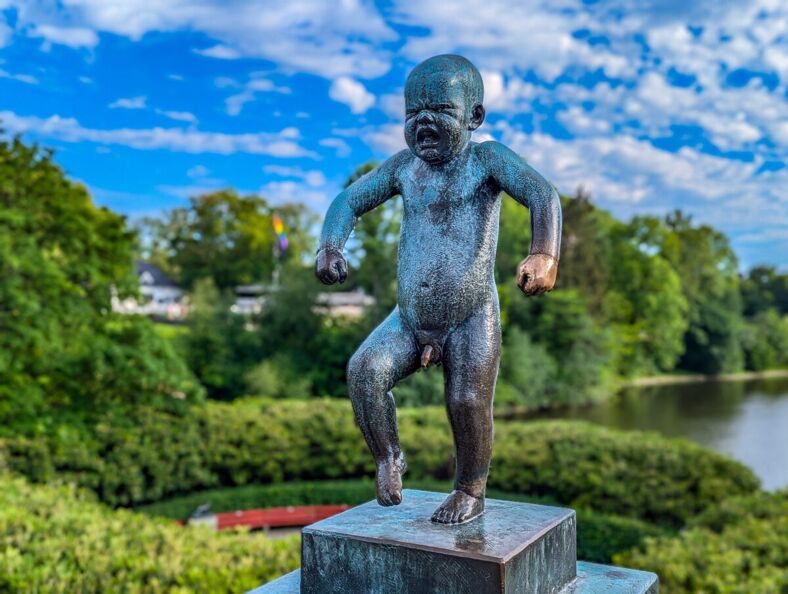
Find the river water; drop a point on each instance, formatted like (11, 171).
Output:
(747, 420)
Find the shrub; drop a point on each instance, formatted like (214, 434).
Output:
(56, 539)
(599, 536)
(130, 461)
(628, 473)
(739, 547)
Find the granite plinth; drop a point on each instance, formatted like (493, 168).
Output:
(514, 548)
(591, 579)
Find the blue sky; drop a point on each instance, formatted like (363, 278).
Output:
(650, 105)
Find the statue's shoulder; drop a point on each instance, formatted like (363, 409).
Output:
(491, 149)
(400, 159)
(399, 164)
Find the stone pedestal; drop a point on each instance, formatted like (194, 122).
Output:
(514, 548)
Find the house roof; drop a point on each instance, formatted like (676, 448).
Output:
(151, 275)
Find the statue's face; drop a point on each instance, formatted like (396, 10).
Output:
(436, 116)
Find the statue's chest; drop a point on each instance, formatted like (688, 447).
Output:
(440, 200)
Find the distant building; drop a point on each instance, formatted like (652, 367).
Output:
(348, 304)
(250, 299)
(161, 296)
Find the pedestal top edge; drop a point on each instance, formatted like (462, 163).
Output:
(503, 531)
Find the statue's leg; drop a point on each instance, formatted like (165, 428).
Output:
(389, 354)
(471, 357)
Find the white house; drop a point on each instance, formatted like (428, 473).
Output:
(161, 296)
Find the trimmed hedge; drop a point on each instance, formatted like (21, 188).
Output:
(55, 539)
(155, 455)
(599, 536)
(739, 547)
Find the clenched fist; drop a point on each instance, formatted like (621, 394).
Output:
(536, 274)
(330, 266)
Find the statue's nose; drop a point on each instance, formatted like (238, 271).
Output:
(425, 117)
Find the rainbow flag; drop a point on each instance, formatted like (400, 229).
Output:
(279, 229)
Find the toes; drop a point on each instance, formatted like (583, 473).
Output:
(384, 499)
(396, 498)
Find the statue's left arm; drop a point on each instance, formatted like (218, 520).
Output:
(537, 273)
(366, 193)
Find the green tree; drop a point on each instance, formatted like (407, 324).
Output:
(218, 347)
(708, 269)
(222, 236)
(61, 259)
(764, 288)
(645, 303)
(765, 341)
(514, 241)
(561, 323)
(528, 372)
(373, 251)
(586, 250)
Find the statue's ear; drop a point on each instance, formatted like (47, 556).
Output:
(477, 116)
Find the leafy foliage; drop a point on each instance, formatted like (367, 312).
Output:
(599, 535)
(61, 259)
(133, 460)
(738, 547)
(57, 539)
(225, 237)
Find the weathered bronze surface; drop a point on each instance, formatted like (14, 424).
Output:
(447, 308)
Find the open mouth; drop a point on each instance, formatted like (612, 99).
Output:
(427, 137)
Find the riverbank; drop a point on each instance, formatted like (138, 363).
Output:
(696, 378)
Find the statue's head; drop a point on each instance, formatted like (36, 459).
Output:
(443, 105)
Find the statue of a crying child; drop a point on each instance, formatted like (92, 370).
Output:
(447, 307)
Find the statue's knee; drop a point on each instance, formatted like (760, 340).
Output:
(364, 370)
(469, 403)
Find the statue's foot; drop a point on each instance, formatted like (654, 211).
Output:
(459, 507)
(389, 481)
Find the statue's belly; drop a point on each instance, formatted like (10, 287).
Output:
(441, 281)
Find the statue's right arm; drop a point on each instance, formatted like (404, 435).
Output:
(364, 194)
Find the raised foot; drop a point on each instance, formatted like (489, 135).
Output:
(389, 481)
(459, 507)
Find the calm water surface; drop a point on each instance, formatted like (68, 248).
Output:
(746, 420)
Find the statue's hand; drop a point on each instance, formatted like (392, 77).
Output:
(330, 266)
(536, 274)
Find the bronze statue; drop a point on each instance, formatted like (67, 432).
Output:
(447, 301)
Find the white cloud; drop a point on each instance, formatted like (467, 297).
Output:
(74, 37)
(5, 32)
(393, 105)
(179, 116)
(197, 171)
(352, 93)
(325, 38)
(313, 178)
(284, 192)
(504, 95)
(283, 144)
(506, 35)
(341, 147)
(256, 84)
(221, 52)
(387, 139)
(630, 175)
(25, 78)
(130, 103)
